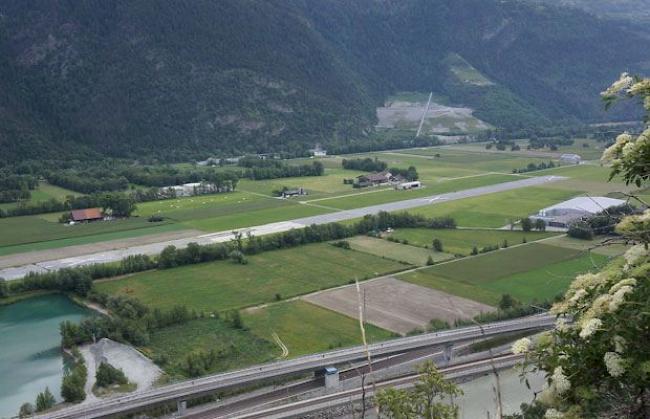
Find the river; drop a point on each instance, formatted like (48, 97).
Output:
(480, 397)
(30, 354)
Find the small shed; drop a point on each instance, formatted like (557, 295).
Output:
(570, 159)
(88, 214)
(416, 184)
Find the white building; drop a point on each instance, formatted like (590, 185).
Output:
(570, 159)
(190, 189)
(416, 184)
(563, 214)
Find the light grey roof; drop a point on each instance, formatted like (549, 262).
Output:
(570, 156)
(590, 204)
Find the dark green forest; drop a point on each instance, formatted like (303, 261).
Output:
(186, 79)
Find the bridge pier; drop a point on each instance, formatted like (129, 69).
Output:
(181, 407)
(449, 353)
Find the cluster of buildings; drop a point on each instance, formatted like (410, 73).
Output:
(385, 178)
(565, 213)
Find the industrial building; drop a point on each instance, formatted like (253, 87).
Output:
(563, 214)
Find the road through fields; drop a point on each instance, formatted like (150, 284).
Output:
(17, 272)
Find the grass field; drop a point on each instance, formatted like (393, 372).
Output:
(498, 209)
(305, 328)
(434, 188)
(461, 241)
(529, 272)
(44, 192)
(236, 348)
(33, 229)
(224, 285)
(400, 252)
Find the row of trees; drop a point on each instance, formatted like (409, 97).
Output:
(603, 223)
(279, 169)
(16, 187)
(364, 165)
(532, 167)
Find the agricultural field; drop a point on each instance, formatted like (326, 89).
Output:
(36, 230)
(305, 328)
(396, 251)
(461, 241)
(527, 272)
(170, 346)
(44, 192)
(498, 209)
(224, 285)
(452, 185)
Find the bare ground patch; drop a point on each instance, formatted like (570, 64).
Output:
(398, 306)
(26, 258)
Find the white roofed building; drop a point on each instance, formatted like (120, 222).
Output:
(563, 214)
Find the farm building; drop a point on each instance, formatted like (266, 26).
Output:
(373, 179)
(190, 189)
(416, 184)
(570, 159)
(86, 215)
(288, 193)
(567, 212)
(318, 151)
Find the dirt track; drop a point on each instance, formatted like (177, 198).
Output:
(19, 259)
(398, 306)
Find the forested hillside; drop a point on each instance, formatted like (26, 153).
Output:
(189, 78)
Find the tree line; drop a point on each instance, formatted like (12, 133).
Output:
(15, 188)
(258, 169)
(364, 165)
(532, 167)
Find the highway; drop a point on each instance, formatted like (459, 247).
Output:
(17, 272)
(254, 375)
(315, 404)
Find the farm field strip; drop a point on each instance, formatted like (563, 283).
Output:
(224, 285)
(401, 252)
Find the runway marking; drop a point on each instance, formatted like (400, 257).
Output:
(283, 347)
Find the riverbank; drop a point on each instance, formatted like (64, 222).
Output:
(12, 299)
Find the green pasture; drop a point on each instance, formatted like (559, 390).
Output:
(35, 230)
(396, 251)
(546, 282)
(44, 192)
(529, 272)
(392, 195)
(461, 241)
(170, 346)
(225, 285)
(154, 228)
(287, 211)
(331, 183)
(497, 209)
(490, 266)
(305, 328)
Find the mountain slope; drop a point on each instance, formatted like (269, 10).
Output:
(193, 77)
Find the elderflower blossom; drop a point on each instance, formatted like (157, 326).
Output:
(631, 282)
(639, 87)
(600, 306)
(589, 327)
(614, 364)
(547, 396)
(560, 381)
(634, 255)
(577, 296)
(624, 82)
(619, 297)
(553, 414)
(619, 344)
(521, 346)
(628, 149)
(586, 281)
(562, 325)
(612, 151)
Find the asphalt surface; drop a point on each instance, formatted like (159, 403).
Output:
(18, 272)
(210, 384)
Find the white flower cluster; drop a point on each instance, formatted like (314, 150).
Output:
(619, 344)
(562, 325)
(619, 297)
(590, 327)
(623, 83)
(634, 254)
(560, 381)
(553, 414)
(587, 281)
(614, 364)
(521, 346)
